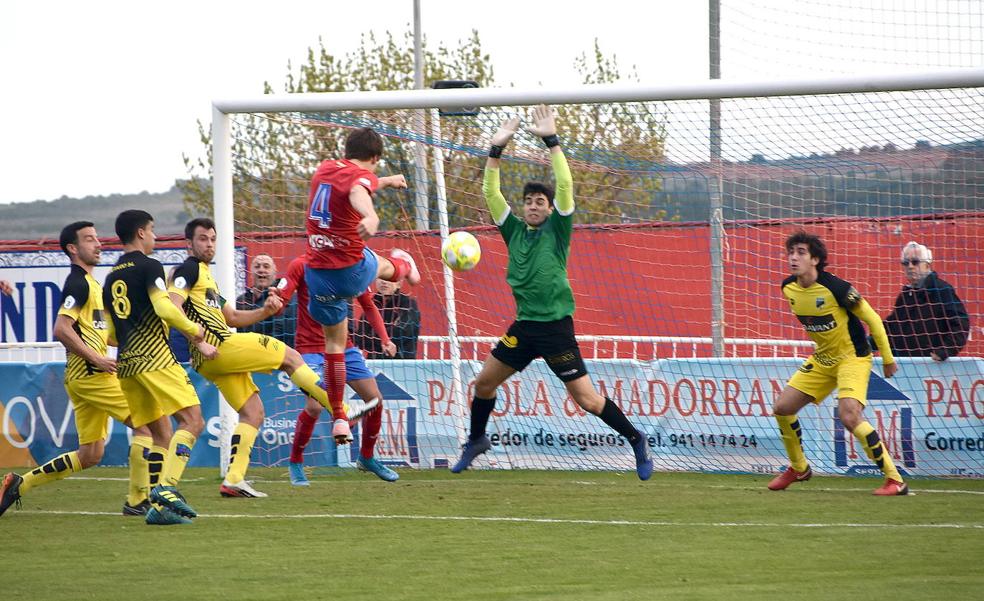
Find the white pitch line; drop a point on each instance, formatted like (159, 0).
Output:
(370, 479)
(579, 482)
(107, 479)
(562, 521)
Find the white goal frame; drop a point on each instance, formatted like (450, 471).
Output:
(711, 90)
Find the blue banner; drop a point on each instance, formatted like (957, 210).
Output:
(698, 414)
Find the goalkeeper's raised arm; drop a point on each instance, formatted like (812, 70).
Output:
(545, 127)
(496, 202)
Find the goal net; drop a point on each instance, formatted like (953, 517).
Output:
(676, 263)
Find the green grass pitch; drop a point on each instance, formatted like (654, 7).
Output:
(498, 535)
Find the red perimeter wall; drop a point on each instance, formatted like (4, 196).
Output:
(655, 279)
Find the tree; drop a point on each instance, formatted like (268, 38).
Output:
(275, 154)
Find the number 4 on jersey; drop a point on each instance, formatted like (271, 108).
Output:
(319, 206)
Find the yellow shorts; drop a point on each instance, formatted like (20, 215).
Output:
(850, 378)
(240, 355)
(95, 399)
(154, 394)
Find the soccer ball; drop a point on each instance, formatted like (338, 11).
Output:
(461, 251)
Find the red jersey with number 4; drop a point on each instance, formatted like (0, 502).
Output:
(333, 240)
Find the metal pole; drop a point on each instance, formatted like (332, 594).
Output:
(450, 306)
(714, 186)
(421, 183)
(225, 251)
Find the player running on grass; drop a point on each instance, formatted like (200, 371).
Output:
(193, 289)
(538, 247)
(90, 380)
(831, 311)
(310, 341)
(340, 218)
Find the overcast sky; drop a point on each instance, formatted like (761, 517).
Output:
(103, 97)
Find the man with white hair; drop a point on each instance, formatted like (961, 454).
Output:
(928, 319)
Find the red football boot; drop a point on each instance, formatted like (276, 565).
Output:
(891, 488)
(783, 480)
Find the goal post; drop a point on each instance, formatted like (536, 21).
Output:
(866, 161)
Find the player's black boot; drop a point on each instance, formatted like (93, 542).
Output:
(10, 491)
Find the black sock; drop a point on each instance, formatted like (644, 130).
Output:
(617, 421)
(481, 409)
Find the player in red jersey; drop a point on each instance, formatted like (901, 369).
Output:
(339, 267)
(310, 342)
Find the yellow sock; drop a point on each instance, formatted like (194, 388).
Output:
(139, 473)
(155, 465)
(875, 450)
(177, 458)
(792, 439)
(309, 383)
(243, 438)
(56, 469)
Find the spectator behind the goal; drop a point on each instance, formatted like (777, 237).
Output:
(401, 315)
(263, 270)
(928, 319)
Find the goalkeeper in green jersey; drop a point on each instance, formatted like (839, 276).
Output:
(538, 246)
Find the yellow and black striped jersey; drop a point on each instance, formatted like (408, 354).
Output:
(831, 311)
(193, 282)
(82, 301)
(141, 333)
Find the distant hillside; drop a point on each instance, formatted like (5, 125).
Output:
(45, 218)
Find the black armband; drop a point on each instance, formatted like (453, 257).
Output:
(551, 140)
(496, 151)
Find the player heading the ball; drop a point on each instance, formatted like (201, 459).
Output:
(340, 218)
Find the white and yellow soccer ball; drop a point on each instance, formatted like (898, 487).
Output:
(461, 251)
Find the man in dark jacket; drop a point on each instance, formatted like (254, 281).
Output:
(401, 315)
(928, 319)
(263, 269)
